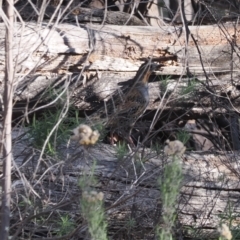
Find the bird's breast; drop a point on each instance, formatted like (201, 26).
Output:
(143, 91)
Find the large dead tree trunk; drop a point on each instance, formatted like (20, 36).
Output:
(103, 57)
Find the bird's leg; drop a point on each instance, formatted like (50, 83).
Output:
(129, 138)
(130, 141)
(111, 138)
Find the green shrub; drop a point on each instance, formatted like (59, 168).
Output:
(92, 207)
(41, 127)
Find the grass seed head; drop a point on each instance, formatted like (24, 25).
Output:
(85, 135)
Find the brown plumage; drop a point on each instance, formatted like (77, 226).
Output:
(127, 105)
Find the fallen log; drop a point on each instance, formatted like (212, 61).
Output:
(100, 58)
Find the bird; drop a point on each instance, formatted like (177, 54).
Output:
(125, 107)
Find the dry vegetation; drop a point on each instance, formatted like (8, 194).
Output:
(69, 59)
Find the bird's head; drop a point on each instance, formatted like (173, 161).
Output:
(145, 71)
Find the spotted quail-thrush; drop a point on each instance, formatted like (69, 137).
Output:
(127, 105)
